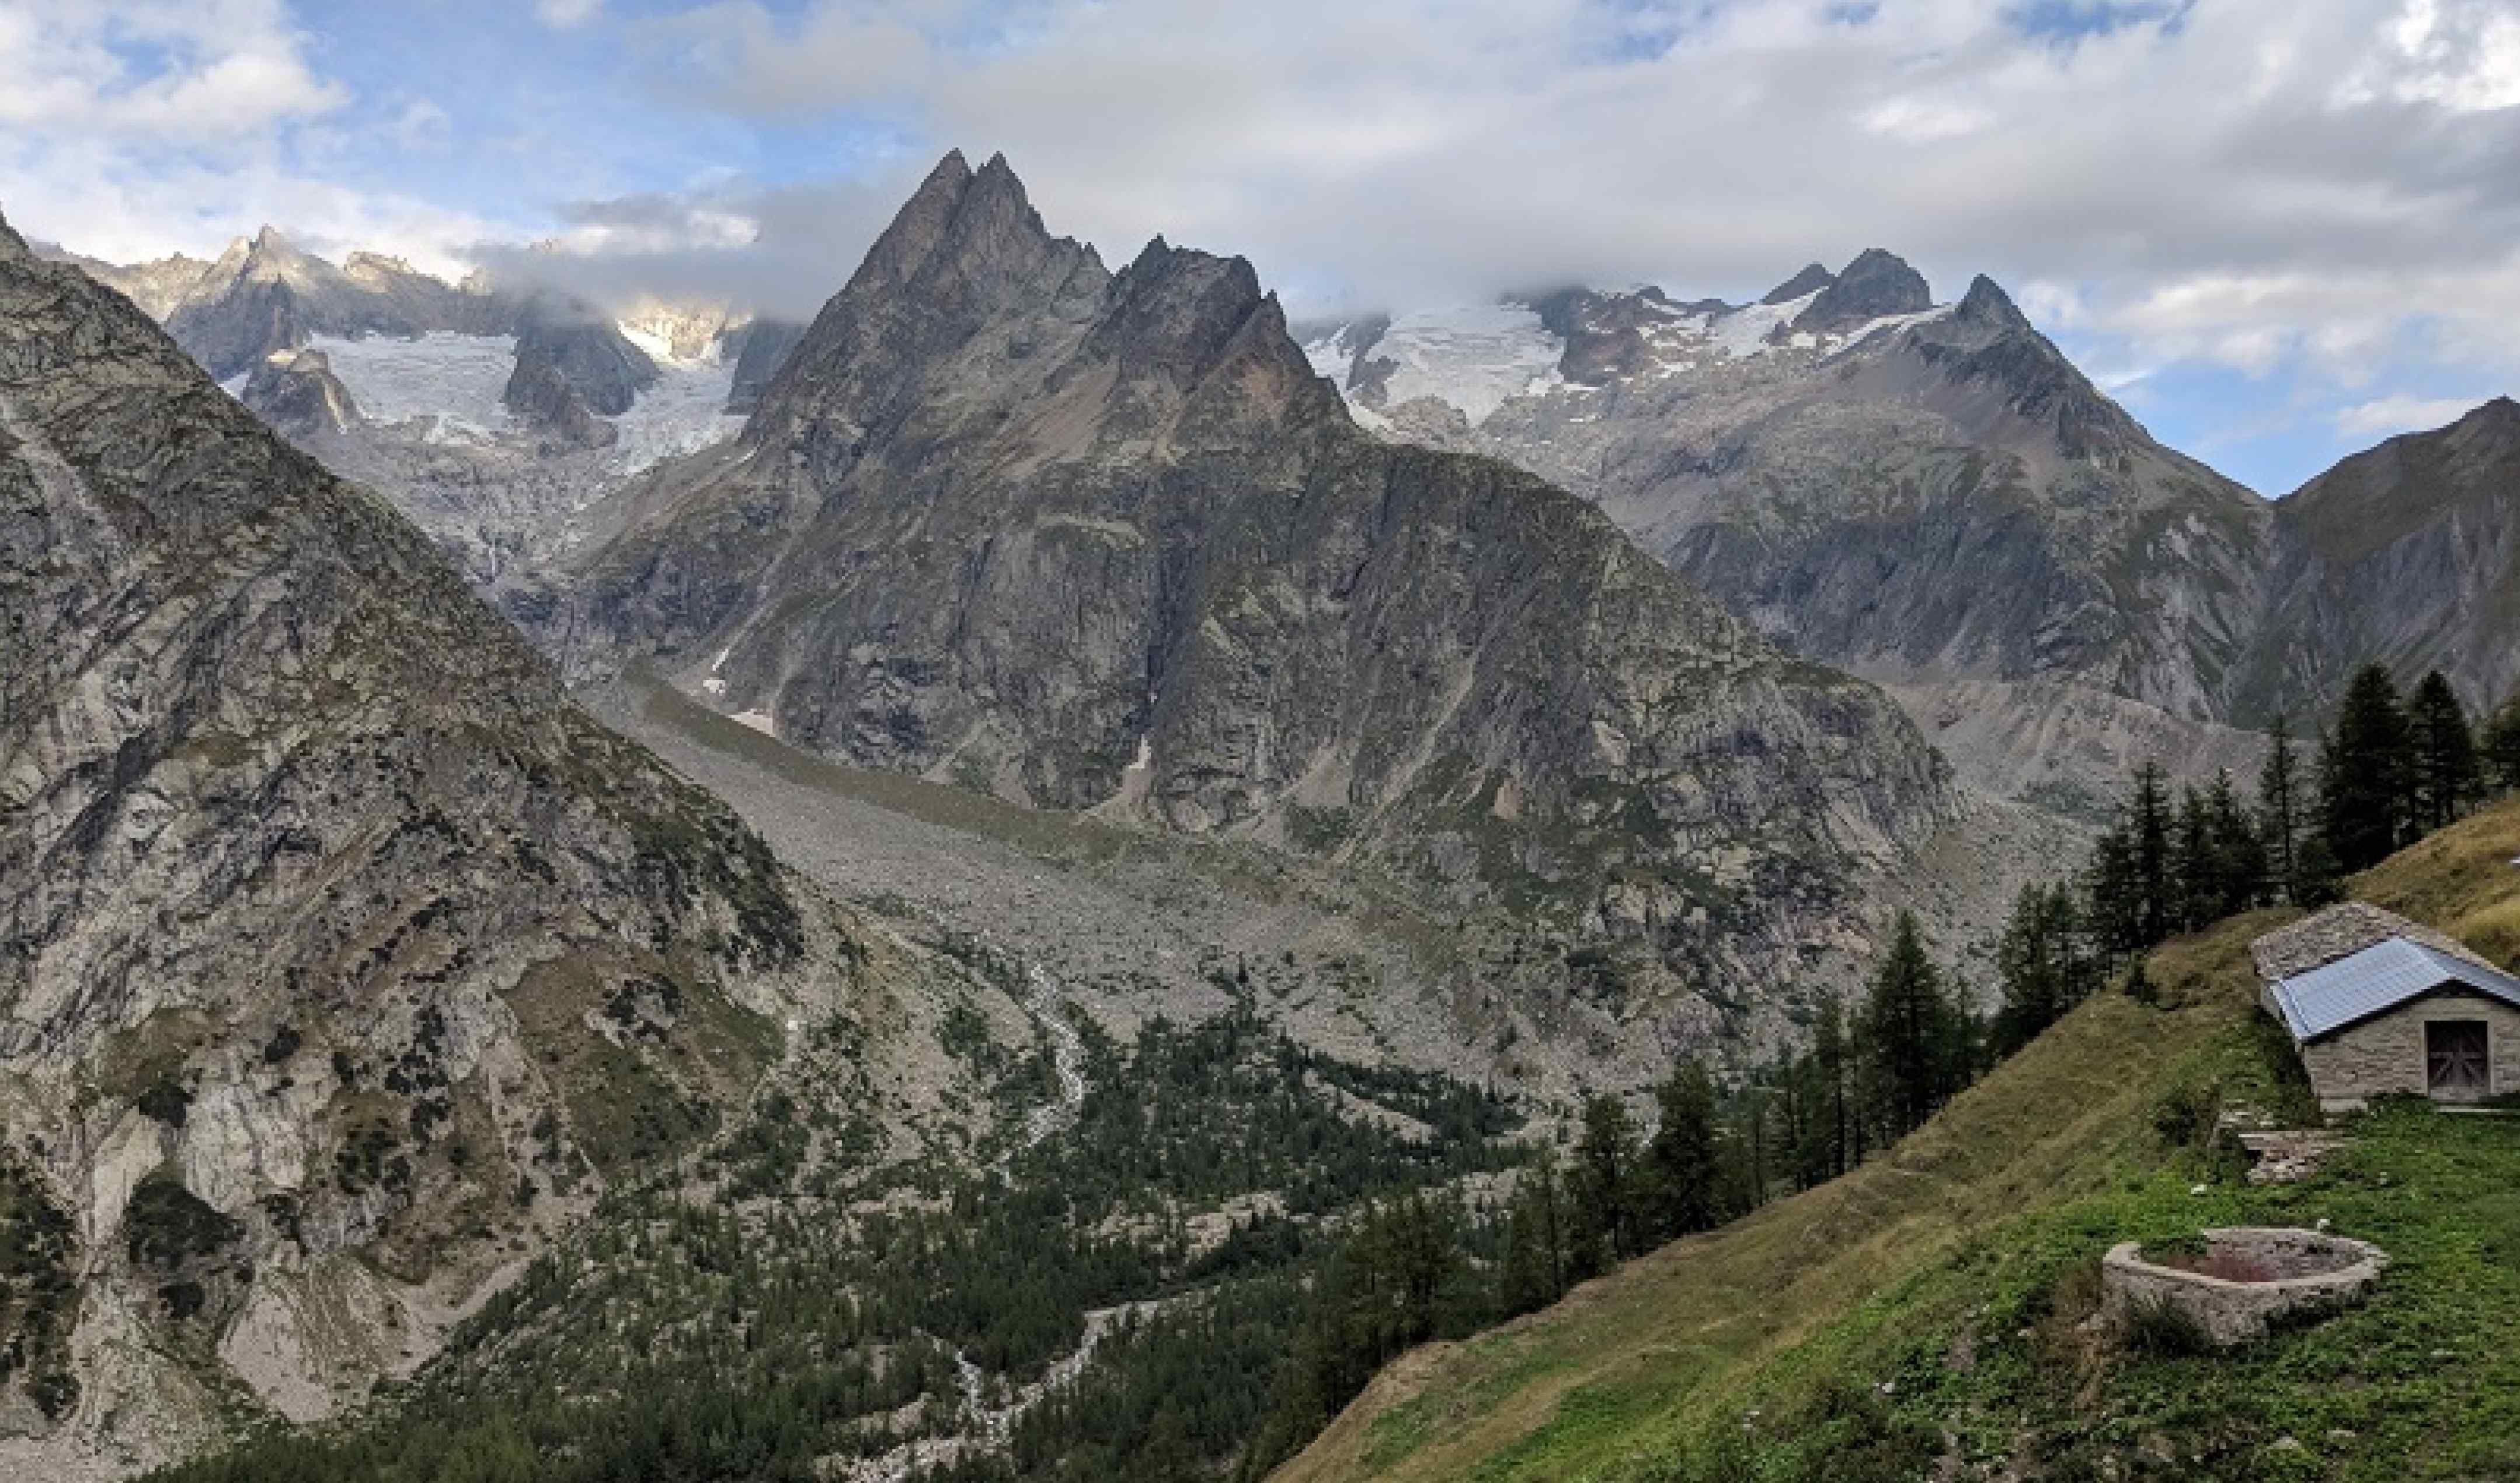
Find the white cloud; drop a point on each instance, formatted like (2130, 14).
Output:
(2161, 164)
(2388, 415)
(1923, 120)
(133, 128)
(563, 13)
(2264, 185)
(423, 127)
(153, 71)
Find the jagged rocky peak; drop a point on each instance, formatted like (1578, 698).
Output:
(575, 366)
(1178, 321)
(10, 243)
(964, 253)
(296, 393)
(1878, 284)
(1987, 343)
(2491, 431)
(1810, 281)
(1185, 589)
(2410, 550)
(1985, 303)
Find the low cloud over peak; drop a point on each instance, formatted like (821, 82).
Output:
(2261, 213)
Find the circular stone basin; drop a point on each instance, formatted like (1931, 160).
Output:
(2246, 1277)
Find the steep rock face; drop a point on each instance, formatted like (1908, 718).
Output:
(573, 365)
(761, 348)
(156, 288)
(1876, 285)
(296, 393)
(1958, 503)
(2410, 554)
(545, 401)
(1921, 496)
(265, 294)
(1104, 541)
(340, 956)
(1803, 284)
(1927, 496)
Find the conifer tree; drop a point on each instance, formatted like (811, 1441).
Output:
(2196, 871)
(2320, 878)
(1601, 1227)
(1833, 1060)
(1533, 1274)
(1682, 1155)
(2280, 814)
(2040, 964)
(2363, 772)
(2115, 915)
(2239, 851)
(2501, 746)
(2149, 826)
(1904, 1030)
(2446, 776)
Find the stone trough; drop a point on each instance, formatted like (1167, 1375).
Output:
(2248, 1277)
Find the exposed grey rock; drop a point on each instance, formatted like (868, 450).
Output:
(1936, 499)
(330, 931)
(573, 365)
(541, 395)
(297, 394)
(1876, 285)
(761, 348)
(156, 288)
(2410, 554)
(1811, 280)
(265, 294)
(1104, 541)
(1606, 334)
(2068, 749)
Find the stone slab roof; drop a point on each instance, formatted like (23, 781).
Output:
(2340, 932)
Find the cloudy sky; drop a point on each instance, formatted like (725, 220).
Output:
(2277, 229)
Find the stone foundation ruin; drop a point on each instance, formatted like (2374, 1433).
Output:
(2246, 1279)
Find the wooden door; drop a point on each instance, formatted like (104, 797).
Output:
(2454, 1058)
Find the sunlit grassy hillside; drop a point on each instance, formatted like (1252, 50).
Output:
(1923, 1317)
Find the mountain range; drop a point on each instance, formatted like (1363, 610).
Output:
(1932, 496)
(1101, 542)
(519, 772)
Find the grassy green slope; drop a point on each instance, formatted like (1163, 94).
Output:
(1958, 1271)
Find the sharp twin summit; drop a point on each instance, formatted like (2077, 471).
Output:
(1059, 871)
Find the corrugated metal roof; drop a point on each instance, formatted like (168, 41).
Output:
(2376, 981)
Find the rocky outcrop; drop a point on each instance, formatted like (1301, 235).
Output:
(543, 399)
(574, 367)
(155, 288)
(1876, 285)
(1104, 541)
(760, 348)
(1803, 284)
(264, 295)
(344, 957)
(2410, 554)
(296, 393)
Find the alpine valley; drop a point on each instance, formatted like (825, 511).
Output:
(605, 890)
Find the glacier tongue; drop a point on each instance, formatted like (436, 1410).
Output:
(683, 412)
(1475, 357)
(456, 378)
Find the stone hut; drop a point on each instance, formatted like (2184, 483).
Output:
(2377, 1004)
